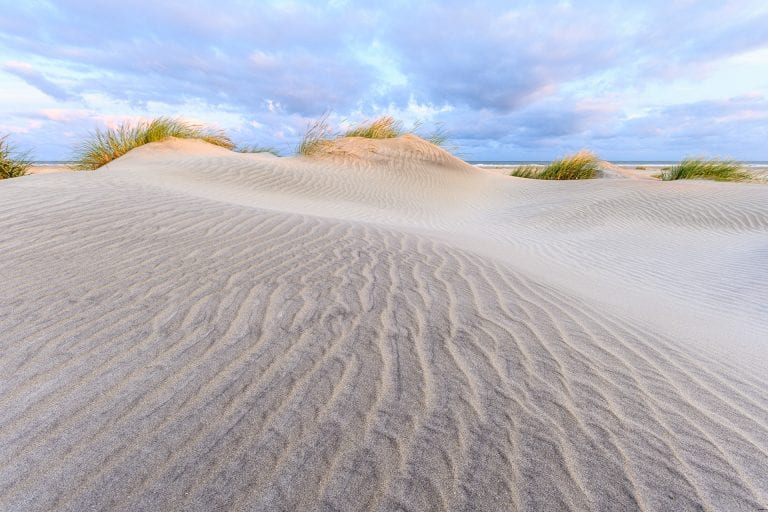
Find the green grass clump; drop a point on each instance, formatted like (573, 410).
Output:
(12, 164)
(317, 137)
(579, 166)
(527, 171)
(385, 127)
(258, 149)
(112, 143)
(699, 168)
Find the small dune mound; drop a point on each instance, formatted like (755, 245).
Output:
(174, 146)
(104, 146)
(319, 137)
(388, 151)
(406, 177)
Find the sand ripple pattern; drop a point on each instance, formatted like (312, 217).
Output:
(165, 352)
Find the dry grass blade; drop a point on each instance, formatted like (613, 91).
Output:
(107, 145)
(12, 164)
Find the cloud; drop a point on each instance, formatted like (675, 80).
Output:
(504, 77)
(36, 79)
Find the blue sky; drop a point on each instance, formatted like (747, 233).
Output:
(508, 80)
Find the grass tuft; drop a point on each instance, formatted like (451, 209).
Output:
(699, 168)
(579, 166)
(12, 164)
(385, 127)
(258, 149)
(438, 137)
(107, 145)
(317, 137)
(527, 171)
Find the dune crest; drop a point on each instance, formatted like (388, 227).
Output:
(393, 151)
(173, 147)
(381, 328)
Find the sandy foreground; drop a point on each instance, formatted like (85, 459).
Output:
(386, 328)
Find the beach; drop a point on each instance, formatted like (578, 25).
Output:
(382, 327)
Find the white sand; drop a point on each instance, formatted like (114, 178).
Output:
(387, 328)
(48, 169)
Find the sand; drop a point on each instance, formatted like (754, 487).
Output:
(48, 169)
(384, 328)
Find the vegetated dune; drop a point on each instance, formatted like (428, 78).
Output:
(382, 327)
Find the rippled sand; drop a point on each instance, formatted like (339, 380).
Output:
(384, 327)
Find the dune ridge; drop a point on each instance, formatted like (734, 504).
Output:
(383, 328)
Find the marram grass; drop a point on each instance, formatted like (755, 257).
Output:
(12, 164)
(107, 145)
(320, 137)
(703, 169)
(579, 166)
(317, 137)
(385, 127)
(258, 149)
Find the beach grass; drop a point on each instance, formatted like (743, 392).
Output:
(439, 136)
(385, 127)
(317, 137)
(705, 169)
(111, 143)
(579, 166)
(12, 163)
(258, 149)
(527, 171)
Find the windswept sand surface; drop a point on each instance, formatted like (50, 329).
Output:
(388, 328)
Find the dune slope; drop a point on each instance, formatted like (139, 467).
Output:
(384, 328)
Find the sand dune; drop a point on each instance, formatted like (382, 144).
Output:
(382, 328)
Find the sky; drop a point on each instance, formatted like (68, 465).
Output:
(507, 80)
